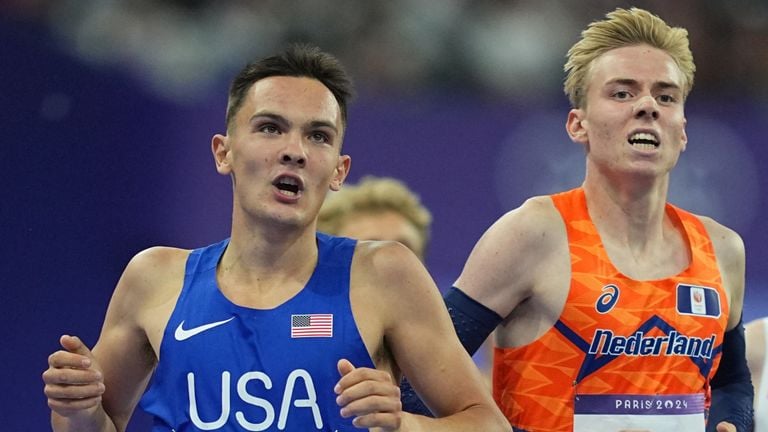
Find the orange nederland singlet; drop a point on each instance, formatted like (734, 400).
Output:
(624, 354)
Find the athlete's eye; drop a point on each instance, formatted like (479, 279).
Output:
(622, 94)
(667, 99)
(269, 128)
(319, 137)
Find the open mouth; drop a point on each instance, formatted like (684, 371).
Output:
(288, 185)
(644, 141)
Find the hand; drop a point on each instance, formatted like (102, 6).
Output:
(368, 395)
(74, 382)
(725, 427)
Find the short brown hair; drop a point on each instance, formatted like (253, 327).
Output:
(298, 60)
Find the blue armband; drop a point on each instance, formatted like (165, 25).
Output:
(473, 321)
(411, 401)
(732, 391)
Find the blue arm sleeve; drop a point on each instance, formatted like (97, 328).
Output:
(411, 401)
(732, 391)
(473, 323)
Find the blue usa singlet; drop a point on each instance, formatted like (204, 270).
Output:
(225, 367)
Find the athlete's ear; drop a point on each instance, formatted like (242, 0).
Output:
(220, 150)
(685, 135)
(340, 172)
(577, 126)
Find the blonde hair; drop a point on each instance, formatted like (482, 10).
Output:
(621, 28)
(373, 195)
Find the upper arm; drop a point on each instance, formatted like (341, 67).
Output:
(729, 249)
(755, 341)
(418, 331)
(505, 264)
(123, 351)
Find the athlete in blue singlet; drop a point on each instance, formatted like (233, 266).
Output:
(208, 381)
(278, 328)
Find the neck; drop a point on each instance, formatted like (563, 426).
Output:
(269, 251)
(640, 238)
(630, 212)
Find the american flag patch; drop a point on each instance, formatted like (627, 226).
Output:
(311, 325)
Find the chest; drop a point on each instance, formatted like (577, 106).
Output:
(664, 258)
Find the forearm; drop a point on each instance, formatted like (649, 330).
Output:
(732, 403)
(478, 417)
(732, 391)
(96, 421)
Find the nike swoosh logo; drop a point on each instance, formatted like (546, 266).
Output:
(184, 334)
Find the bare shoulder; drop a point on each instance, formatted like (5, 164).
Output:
(728, 243)
(729, 250)
(526, 231)
(154, 258)
(152, 273)
(390, 265)
(506, 262)
(530, 228)
(390, 292)
(388, 280)
(146, 291)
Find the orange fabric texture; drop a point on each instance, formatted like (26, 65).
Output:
(616, 335)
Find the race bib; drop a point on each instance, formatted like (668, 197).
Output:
(638, 413)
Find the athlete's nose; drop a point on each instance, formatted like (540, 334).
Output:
(291, 158)
(293, 152)
(646, 106)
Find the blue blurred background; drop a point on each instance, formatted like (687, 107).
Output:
(108, 107)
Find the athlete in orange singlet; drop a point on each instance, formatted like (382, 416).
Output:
(614, 307)
(617, 335)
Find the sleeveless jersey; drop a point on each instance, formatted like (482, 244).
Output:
(618, 336)
(761, 388)
(225, 367)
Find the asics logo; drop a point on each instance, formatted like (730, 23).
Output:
(184, 334)
(608, 299)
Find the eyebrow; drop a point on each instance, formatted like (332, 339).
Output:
(632, 82)
(281, 119)
(323, 124)
(270, 115)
